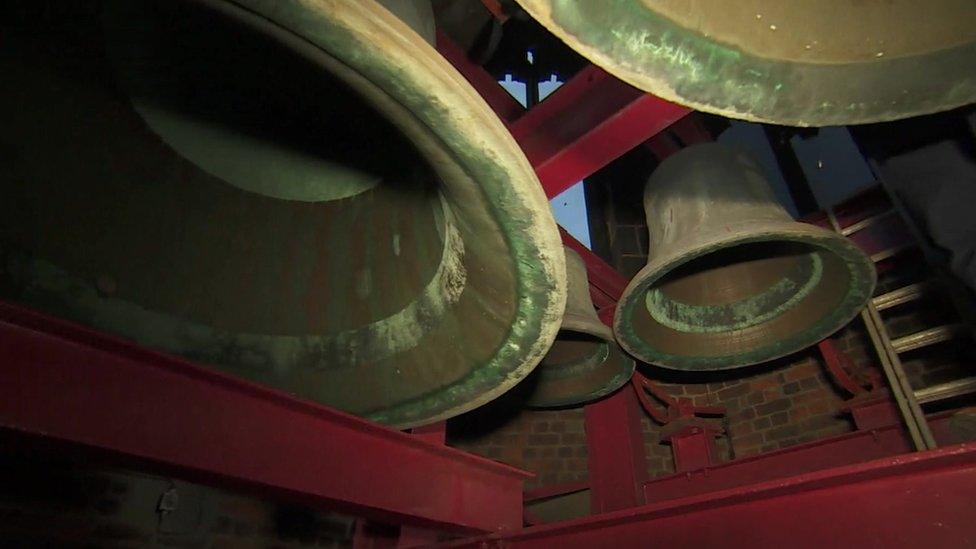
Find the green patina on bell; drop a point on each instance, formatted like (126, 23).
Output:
(302, 194)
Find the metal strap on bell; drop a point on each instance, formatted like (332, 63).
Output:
(584, 363)
(731, 279)
(303, 194)
(801, 62)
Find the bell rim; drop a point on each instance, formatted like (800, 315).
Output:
(415, 77)
(759, 92)
(863, 274)
(626, 368)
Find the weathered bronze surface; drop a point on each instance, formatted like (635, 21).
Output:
(303, 194)
(797, 62)
(584, 363)
(731, 279)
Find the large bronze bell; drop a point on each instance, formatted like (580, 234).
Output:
(304, 194)
(731, 279)
(796, 62)
(584, 363)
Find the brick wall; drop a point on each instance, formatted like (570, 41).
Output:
(776, 405)
(549, 443)
(51, 501)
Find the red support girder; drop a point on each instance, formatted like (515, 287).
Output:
(586, 124)
(504, 105)
(846, 449)
(923, 499)
(615, 443)
(74, 386)
(601, 275)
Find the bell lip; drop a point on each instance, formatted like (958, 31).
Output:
(863, 278)
(625, 371)
(764, 90)
(396, 63)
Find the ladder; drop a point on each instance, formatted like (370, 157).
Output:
(901, 235)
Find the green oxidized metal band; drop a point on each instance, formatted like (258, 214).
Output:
(691, 69)
(538, 304)
(861, 286)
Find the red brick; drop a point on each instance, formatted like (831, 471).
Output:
(572, 438)
(542, 440)
(755, 398)
(802, 370)
(771, 407)
(779, 418)
(747, 440)
(732, 392)
(798, 413)
(810, 383)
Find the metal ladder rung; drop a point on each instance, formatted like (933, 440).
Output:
(948, 390)
(927, 337)
(890, 252)
(865, 223)
(901, 295)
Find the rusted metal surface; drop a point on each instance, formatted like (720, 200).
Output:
(584, 363)
(794, 63)
(290, 193)
(731, 279)
(83, 391)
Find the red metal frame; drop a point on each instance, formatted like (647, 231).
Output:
(837, 364)
(586, 124)
(71, 385)
(504, 105)
(615, 444)
(922, 499)
(855, 447)
(692, 438)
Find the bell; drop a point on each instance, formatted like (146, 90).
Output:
(801, 63)
(584, 363)
(731, 280)
(302, 194)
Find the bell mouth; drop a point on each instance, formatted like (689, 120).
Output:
(580, 367)
(274, 193)
(742, 302)
(800, 63)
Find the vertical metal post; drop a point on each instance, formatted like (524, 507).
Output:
(413, 536)
(615, 440)
(694, 448)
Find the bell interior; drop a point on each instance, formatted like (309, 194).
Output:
(205, 183)
(739, 301)
(574, 353)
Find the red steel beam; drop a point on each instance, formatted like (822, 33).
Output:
(504, 105)
(923, 499)
(75, 386)
(856, 447)
(601, 275)
(553, 490)
(586, 124)
(615, 443)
